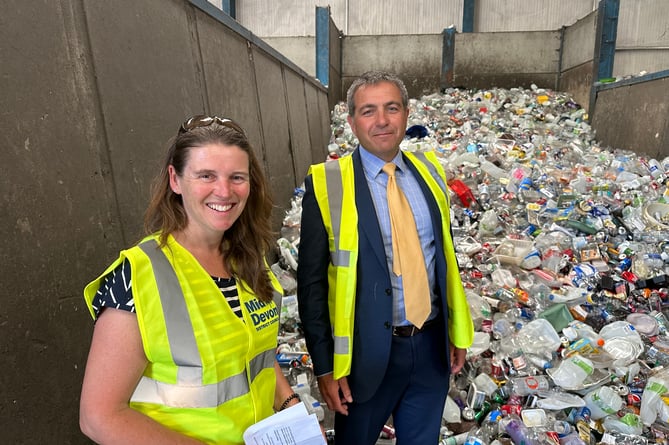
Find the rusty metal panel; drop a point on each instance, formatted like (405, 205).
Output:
(147, 69)
(318, 118)
(274, 123)
(231, 88)
(634, 117)
(579, 42)
(577, 81)
(298, 125)
(57, 207)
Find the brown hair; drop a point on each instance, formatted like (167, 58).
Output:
(245, 244)
(373, 78)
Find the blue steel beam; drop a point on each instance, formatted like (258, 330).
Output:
(447, 58)
(468, 8)
(230, 8)
(609, 34)
(323, 44)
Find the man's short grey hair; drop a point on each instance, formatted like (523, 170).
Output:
(373, 78)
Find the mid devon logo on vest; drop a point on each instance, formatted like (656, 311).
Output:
(262, 314)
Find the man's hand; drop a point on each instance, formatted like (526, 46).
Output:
(336, 393)
(457, 359)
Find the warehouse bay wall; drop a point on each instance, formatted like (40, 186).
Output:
(632, 114)
(90, 93)
(628, 114)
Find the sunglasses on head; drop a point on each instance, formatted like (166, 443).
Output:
(204, 121)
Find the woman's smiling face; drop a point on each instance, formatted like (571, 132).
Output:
(214, 187)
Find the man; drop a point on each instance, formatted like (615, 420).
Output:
(371, 362)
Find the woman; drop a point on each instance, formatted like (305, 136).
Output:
(183, 350)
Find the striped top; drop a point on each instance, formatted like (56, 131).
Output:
(116, 291)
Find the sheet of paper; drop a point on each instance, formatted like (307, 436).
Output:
(292, 426)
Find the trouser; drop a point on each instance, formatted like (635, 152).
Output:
(413, 390)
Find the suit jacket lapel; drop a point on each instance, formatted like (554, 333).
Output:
(367, 219)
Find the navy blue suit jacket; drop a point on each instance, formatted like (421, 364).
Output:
(372, 333)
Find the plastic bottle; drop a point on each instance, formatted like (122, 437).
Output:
(458, 439)
(524, 386)
(512, 349)
(480, 344)
(583, 330)
(486, 384)
(313, 406)
(518, 432)
(477, 436)
(539, 336)
(479, 308)
(484, 434)
(451, 413)
(556, 400)
(502, 328)
(493, 170)
(572, 439)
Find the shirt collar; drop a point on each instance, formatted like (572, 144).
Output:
(373, 165)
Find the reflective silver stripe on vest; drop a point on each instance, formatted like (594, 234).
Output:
(262, 361)
(207, 396)
(180, 334)
(432, 169)
(186, 396)
(341, 345)
(188, 392)
(340, 258)
(335, 189)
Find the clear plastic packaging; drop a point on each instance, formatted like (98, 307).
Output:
(651, 399)
(571, 373)
(602, 402)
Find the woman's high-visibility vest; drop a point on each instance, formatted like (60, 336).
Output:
(210, 375)
(334, 189)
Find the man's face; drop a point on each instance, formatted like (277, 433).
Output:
(380, 119)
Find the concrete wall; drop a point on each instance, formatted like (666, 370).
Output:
(414, 58)
(482, 60)
(90, 93)
(507, 59)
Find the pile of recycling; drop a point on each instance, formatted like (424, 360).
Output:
(563, 246)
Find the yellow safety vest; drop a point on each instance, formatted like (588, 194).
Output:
(210, 375)
(334, 189)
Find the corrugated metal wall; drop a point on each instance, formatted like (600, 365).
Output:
(275, 18)
(643, 29)
(642, 43)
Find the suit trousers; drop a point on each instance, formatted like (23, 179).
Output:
(413, 390)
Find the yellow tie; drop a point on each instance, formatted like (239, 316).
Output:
(408, 260)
